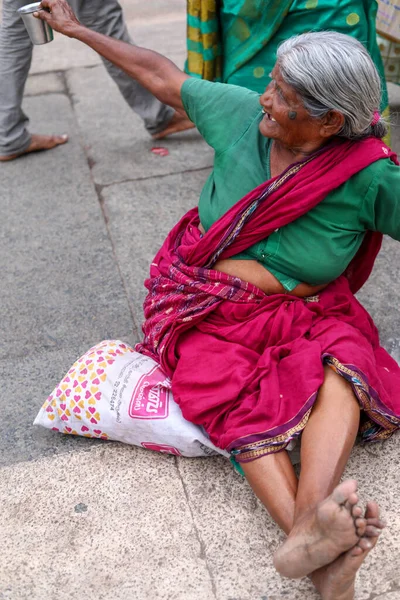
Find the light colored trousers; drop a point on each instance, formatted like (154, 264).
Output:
(104, 16)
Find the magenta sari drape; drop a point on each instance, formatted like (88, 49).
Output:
(247, 366)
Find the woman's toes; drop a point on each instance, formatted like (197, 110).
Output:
(371, 531)
(365, 544)
(346, 493)
(372, 510)
(377, 523)
(356, 551)
(356, 511)
(360, 525)
(352, 506)
(353, 498)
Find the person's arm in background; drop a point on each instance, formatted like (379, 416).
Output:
(152, 70)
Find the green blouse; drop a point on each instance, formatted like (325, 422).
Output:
(317, 247)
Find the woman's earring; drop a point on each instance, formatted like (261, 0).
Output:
(292, 114)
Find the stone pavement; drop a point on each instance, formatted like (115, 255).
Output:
(80, 225)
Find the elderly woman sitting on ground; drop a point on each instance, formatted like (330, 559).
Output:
(250, 308)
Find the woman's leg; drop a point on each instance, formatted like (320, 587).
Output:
(327, 441)
(336, 580)
(327, 521)
(324, 526)
(274, 482)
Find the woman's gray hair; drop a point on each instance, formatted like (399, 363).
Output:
(331, 70)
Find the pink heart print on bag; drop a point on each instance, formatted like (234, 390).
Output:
(113, 392)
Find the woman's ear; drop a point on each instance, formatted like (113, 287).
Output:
(332, 123)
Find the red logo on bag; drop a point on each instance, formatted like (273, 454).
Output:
(161, 448)
(150, 399)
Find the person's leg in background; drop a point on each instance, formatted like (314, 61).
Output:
(15, 61)
(106, 16)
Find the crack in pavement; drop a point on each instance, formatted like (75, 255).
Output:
(156, 176)
(203, 552)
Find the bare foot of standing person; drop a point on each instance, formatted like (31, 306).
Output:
(337, 580)
(323, 533)
(179, 122)
(39, 143)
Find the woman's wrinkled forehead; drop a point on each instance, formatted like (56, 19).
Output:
(286, 91)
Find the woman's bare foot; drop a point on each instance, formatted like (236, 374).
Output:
(322, 534)
(337, 580)
(39, 143)
(179, 122)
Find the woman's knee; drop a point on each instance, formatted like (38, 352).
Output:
(333, 378)
(336, 386)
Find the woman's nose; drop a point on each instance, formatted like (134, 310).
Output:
(265, 98)
(267, 94)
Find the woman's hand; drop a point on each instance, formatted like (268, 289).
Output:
(255, 273)
(59, 15)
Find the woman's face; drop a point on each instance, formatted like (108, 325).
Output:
(286, 120)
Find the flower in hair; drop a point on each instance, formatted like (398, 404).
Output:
(376, 118)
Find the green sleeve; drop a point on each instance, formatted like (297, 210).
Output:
(221, 112)
(381, 207)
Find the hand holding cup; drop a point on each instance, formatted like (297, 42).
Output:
(59, 15)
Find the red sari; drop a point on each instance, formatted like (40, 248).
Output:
(248, 366)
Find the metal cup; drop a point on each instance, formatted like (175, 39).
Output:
(39, 31)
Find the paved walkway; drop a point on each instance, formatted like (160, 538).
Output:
(80, 225)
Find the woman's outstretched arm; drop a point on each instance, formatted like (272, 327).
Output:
(152, 70)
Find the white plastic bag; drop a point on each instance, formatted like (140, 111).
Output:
(115, 393)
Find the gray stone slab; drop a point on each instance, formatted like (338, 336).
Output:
(117, 142)
(45, 83)
(112, 526)
(376, 468)
(238, 535)
(240, 538)
(60, 282)
(62, 54)
(140, 214)
(381, 293)
(166, 35)
(26, 381)
(394, 94)
(395, 126)
(136, 10)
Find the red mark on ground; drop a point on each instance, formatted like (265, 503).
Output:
(160, 151)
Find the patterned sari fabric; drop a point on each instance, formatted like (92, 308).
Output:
(235, 41)
(203, 40)
(247, 366)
